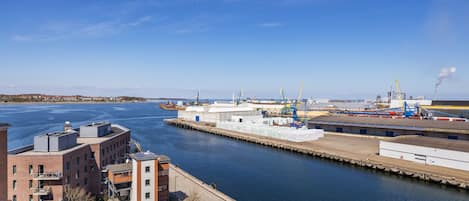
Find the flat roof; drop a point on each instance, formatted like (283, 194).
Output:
(116, 130)
(120, 168)
(58, 133)
(144, 156)
(29, 151)
(97, 124)
(440, 143)
(389, 123)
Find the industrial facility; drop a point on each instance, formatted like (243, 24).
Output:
(216, 112)
(429, 151)
(381, 126)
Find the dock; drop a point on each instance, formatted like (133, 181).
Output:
(183, 186)
(359, 151)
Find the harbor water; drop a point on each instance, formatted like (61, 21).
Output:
(242, 170)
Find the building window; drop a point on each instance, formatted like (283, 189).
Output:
(78, 160)
(77, 175)
(390, 133)
(14, 184)
(67, 180)
(147, 169)
(339, 130)
(147, 195)
(14, 169)
(30, 169)
(363, 131)
(86, 157)
(40, 168)
(14, 197)
(452, 137)
(30, 198)
(86, 181)
(92, 155)
(86, 168)
(30, 183)
(67, 165)
(147, 182)
(317, 127)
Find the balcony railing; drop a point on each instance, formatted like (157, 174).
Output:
(47, 176)
(41, 191)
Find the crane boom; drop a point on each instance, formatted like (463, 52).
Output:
(300, 93)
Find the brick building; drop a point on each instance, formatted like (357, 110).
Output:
(3, 161)
(70, 157)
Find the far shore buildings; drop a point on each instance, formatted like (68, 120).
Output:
(3, 161)
(73, 157)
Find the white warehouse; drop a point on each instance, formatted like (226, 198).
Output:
(215, 113)
(429, 151)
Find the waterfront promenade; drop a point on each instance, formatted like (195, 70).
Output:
(354, 150)
(182, 185)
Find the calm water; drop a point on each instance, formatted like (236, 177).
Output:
(242, 170)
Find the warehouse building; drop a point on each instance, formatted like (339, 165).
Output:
(381, 126)
(213, 113)
(429, 151)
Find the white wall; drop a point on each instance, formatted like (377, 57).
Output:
(144, 189)
(213, 117)
(427, 155)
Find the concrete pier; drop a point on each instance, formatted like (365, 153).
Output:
(182, 185)
(355, 150)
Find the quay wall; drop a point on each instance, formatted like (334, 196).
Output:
(372, 163)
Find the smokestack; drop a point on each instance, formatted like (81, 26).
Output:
(445, 73)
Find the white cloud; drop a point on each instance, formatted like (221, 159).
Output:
(60, 30)
(21, 38)
(140, 21)
(271, 24)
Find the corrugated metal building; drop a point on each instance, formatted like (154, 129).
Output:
(430, 151)
(391, 127)
(214, 114)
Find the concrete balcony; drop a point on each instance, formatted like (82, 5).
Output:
(47, 176)
(41, 191)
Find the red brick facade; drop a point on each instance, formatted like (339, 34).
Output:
(3, 163)
(73, 168)
(79, 166)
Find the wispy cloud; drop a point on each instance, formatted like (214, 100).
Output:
(20, 38)
(59, 30)
(140, 21)
(271, 24)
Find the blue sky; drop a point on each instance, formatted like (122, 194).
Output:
(337, 48)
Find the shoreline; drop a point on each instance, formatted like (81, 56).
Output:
(58, 103)
(362, 151)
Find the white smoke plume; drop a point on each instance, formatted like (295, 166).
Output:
(445, 73)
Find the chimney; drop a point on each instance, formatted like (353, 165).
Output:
(68, 126)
